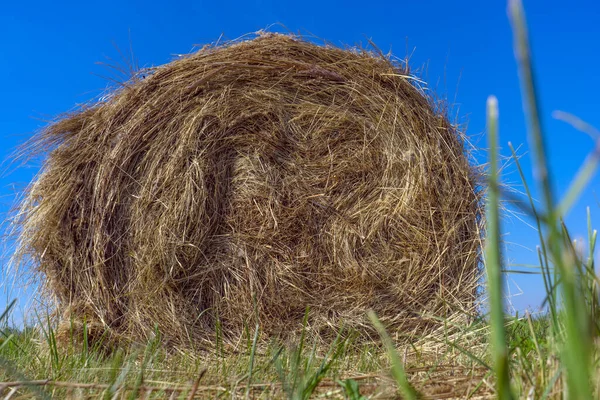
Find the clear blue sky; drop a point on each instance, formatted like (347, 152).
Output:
(462, 48)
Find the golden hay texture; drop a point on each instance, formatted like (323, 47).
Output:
(247, 181)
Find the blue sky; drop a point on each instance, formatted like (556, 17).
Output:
(463, 49)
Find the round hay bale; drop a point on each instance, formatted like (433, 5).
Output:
(247, 182)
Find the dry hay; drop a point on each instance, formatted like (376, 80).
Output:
(248, 181)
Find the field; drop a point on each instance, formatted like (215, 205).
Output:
(488, 355)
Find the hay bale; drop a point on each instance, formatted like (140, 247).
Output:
(248, 181)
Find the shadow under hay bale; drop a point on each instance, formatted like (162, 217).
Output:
(248, 181)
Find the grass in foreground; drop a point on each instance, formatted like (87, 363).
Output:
(345, 370)
(550, 356)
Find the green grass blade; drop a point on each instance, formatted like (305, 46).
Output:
(351, 389)
(575, 350)
(582, 179)
(115, 372)
(407, 390)
(6, 312)
(540, 357)
(528, 87)
(7, 341)
(469, 354)
(592, 235)
(251, 362)
(334, 353)
(297, 356)
(493, 261)
(588, 168)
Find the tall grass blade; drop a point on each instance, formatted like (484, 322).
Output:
(575, 350)
(6, 312)
(493, 261)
